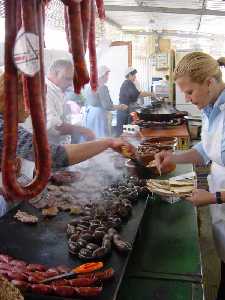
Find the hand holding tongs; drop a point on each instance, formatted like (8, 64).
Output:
(125, 151)
(84, 268)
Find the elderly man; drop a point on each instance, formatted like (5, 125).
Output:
(59, 78)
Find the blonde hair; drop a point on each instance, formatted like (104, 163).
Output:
(199, 66)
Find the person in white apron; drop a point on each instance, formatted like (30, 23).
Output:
(99, 104)
(199, 77)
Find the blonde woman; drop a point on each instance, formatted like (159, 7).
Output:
(200, 79)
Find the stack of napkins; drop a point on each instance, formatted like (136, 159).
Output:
(175, 186)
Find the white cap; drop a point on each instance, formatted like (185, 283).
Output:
(102, 70)
(129, 70)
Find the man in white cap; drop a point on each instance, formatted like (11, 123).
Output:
(129, 95)
(98, 104)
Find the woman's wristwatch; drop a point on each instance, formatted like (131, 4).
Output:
(218, 198)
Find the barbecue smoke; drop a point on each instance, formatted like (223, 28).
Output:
(98, 173)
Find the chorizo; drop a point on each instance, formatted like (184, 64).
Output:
(81, 76)
(86, 20)
(22, 285)
(12, 189)
(41, 289)
(36, 267)
(101, 9)
(64, 291)
(88, 291)
(92, 51)
(5, 258)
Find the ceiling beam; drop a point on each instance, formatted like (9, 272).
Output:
(200, 19)
(171, 33)
(113, 23)
(166, 10)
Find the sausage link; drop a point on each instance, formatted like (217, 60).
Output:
(16, 276)
(88, 291)
(92, 51)
(86, 20)
(81, 76)
(20, 284)
(12, 188)
(81, 282)
(41, 289)
(67, 28)
(63, 291)
(36, 267)
(5, 258)
(101, 9)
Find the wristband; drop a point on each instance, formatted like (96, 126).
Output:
(218, 198)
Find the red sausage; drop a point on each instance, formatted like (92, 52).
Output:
(5, 258)
(101, 9)
(81, 282)
(64, 291)
(12, 188)
(17, 276)
(18, 263)
(92, 51)
(36, 267)
(86, 20)
(22, 285)
(88, 291)
(67, 28)
(41, 289)
(81, 76)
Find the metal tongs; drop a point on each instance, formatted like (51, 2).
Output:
(84, 268)
(126, 153)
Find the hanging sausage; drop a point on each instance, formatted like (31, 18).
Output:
(23, 50)
(24, 46)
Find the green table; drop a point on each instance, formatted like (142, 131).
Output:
(158, 289)
(166, 257)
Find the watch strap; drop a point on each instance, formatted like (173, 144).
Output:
(218, 198)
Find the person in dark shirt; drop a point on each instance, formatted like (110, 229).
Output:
(128, 95)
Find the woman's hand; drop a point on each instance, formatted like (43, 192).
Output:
(88, 134)
(120, 107)
(119, 144)
(123, 107)
(65, 128)
(163, 160)
(201, 197)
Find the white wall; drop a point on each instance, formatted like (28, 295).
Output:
(116, 58)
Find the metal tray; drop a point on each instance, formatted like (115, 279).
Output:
(46, 243)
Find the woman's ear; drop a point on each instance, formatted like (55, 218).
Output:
(210, 81)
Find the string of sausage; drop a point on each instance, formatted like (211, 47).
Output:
(12, 188)
(92, 51)
(80, 31)
(81, 27)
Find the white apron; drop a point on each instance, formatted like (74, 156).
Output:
(216, 180)
(27, 169)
